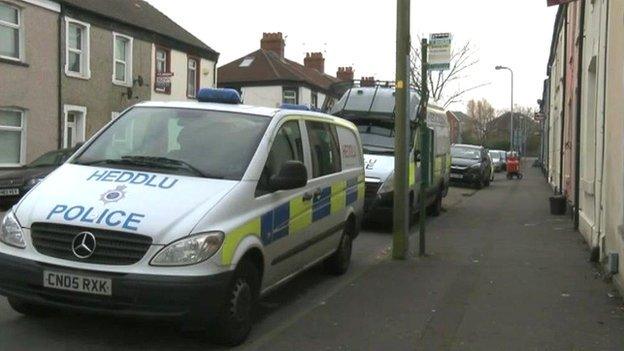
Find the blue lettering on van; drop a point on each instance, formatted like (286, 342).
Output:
(90, 215)
(138, 178)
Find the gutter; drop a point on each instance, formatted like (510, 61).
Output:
(577, 151)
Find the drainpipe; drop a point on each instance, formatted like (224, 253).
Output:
(60, 77)
(563, 100)
(604, 117)
(577, 151)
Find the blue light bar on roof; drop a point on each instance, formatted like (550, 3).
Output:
(222, 96)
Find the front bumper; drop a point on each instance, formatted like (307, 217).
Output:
(187, 299)
(464, 177)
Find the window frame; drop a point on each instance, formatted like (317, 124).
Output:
(189, 94)
(74, 108)
(314, 99)
(334, 136)
(22, 129)
(127, 62)
(290, 89)
(85, 52)
(20, 32)
(167, 67)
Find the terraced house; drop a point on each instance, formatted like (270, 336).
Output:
(68, 67)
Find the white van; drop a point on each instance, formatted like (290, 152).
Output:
(371, 109)
(187, 210)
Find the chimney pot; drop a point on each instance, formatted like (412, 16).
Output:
(345, 74)
(367, 82)
(315, 60)
(273, 42)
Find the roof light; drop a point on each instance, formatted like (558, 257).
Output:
(222, 96)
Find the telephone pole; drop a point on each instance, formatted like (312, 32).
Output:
(401, 213)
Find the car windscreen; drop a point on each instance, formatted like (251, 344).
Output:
(49, 159)
(377, 135)
(465, 152)
(192, 142)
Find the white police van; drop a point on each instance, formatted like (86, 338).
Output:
(187, 210)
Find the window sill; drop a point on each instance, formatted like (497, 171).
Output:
(13, 62)
(122, 84)
(71, 74)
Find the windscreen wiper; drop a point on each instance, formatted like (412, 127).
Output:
(165, 162)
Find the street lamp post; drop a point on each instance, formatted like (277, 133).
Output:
(511, 118)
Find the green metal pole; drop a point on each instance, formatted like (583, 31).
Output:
(401, 179)
(424, 150)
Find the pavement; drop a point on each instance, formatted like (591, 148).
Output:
(501, 274)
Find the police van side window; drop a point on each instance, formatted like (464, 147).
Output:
(324, 148)
(287, 146)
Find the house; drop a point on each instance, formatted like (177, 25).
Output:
(583, 121)
(454, 127)
(29, 80)
(266, 78)
(463, 125)
(116, 53)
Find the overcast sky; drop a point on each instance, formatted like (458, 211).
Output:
(361, 33)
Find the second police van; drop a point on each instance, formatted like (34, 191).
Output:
(372, 109)
(188, 210)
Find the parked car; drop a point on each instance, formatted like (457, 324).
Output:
(503, 158)
(497, 160)
(15, 184)
(188, 211)
(470, 164)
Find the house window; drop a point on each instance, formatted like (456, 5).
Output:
(122, 59)
(74, 126)
(314, 99)
(10, 32)
(289, 96)
(192, 78)
(162, 81)
(77, 49)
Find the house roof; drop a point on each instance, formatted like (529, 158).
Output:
(461, 117)
(268, 67)
(139, 13)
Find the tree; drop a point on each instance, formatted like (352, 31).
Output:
(482, 114)
(445, 87)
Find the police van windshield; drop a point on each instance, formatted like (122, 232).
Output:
(192, 142)
(377, 136)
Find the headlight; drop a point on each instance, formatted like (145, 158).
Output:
(32, 182)
(388, 185)
(190, 250)
(11, 231)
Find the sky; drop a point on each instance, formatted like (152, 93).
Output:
(361, 33)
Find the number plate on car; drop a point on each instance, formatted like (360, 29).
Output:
(9, 192)
(456, 176)
(77, 283)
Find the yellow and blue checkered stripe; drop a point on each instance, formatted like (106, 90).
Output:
(296, 215)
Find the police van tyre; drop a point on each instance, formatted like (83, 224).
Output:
(435, 209)
(338, 263)
(27, 308)
(235, 318)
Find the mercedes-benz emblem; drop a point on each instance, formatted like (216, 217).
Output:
(83, 245)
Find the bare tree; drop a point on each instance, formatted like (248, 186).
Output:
(444, 86)
(482, 114)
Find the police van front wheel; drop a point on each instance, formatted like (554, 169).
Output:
(28, 309)
(338, 263)
(235, 318)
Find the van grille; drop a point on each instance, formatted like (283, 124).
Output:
(112, 248)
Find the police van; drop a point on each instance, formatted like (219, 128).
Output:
(187, 210)
(371, 109)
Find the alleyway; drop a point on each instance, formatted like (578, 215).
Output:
(502, 275)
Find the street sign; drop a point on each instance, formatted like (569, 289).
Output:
(439, 56)
(163, 82)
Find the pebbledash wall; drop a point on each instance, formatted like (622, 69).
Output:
(29, 84)
(179, 65)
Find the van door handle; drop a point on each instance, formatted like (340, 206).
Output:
(311, 195)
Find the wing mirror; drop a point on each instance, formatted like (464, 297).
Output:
(292, 175)
(417, 155)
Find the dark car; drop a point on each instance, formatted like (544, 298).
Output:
(15, 184)
(470, 164)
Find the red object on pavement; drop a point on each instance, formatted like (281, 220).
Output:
(513, 166)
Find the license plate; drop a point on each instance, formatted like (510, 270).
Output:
(77, 283)
(9, 192)
(457, 176)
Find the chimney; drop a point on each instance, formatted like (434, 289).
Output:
(273, 42)
(345, 74)
(315, 60)
(367, 82)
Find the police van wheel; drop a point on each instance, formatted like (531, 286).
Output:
(234, 321)
(435, 209)
(338, 263)
(28, 309)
